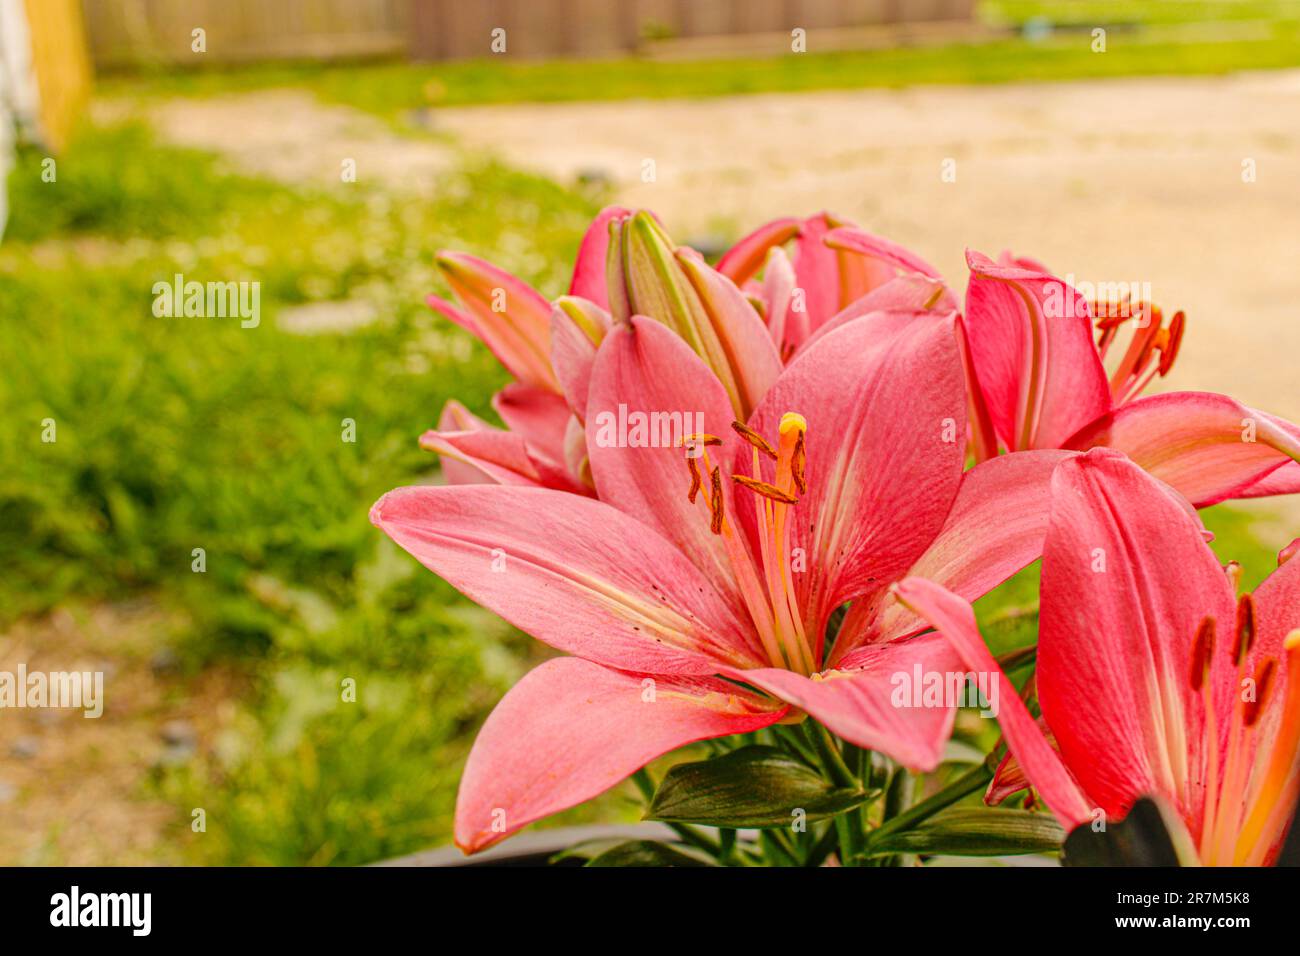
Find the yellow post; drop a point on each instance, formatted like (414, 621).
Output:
(61, 65)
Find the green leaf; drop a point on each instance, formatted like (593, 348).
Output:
(647, 853)
(962, 831)
(754, 787)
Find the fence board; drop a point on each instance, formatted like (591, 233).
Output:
(131, 32)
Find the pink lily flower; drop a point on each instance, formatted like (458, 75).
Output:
(832, 263)
(648, 275)
(694, 595)
(547, 348)
(1153, 676)
(1042, 380)
(535, 450)
(832, 266)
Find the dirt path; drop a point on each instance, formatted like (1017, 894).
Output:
(72, 789)
(292, 136)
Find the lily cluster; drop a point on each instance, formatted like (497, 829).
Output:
(837, 456)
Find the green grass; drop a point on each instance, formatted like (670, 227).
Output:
(1146, 39)
(1091, 12)
(173, 434)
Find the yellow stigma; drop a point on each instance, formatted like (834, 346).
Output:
(791, 421)
(1292, 640)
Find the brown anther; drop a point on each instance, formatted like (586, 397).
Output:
(715, 502)
(1245, 628)
(754, 438)
(1263, 682)
(703, 438)
(797, 462)
(695, 479)
(1169, 351)
(1202, 651)
(764, 489)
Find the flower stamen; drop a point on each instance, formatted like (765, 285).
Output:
(755, 439)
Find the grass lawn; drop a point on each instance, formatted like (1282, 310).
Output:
(174, 434)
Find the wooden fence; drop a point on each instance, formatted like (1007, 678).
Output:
(127, 33)
(137, 32)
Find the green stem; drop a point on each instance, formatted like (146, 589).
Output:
(848, 826)
(832, 761)
(794, 742)
(775, 849)
(898, 797)
(963, 786)
(822, 848)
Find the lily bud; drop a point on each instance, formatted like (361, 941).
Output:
(511, 317)
(578, 326)
(648, 275)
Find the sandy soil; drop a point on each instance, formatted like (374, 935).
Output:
(72, 789)
(290, 135)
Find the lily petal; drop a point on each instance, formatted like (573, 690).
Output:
(578, 326)
(455, 417)
(1126, 583)
(510, 316)
(1283, 481)
(572, 729)
(749, 347)
(1277, 608)
(910, 293)
(1208, 446)
(955, 620)
(646, 369)
(483, 456)
(995, 528)
(589, 268)
(786, 327)
(572, 572)
(648, 275)
(860, 700)
(537, 415)
(884, 399)
(1030, 338)
(830, 278)
(889, 254)
(743, 260)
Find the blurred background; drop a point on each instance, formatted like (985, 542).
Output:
(1143, 142)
